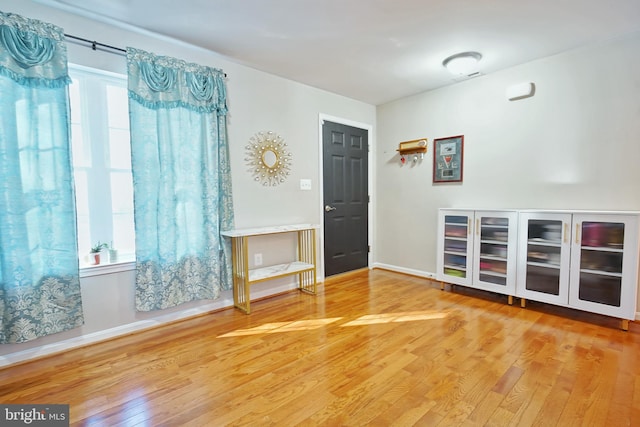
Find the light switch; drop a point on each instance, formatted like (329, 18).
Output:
(305, 184)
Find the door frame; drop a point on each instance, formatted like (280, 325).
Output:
(370, 176)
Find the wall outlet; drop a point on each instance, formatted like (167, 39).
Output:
(257, 259)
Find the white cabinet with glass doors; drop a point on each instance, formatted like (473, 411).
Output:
(582, 260)
(544, 257)
(477, 248)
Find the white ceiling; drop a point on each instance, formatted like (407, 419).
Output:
(371, 50)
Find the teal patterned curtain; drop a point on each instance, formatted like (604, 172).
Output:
(181, 180)
(40, 285)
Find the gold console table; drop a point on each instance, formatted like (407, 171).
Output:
(304, 266)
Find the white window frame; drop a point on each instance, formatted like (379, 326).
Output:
(100, 207)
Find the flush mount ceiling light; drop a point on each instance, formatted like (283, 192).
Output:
(463, 64)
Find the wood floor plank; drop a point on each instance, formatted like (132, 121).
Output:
(484, 409)
(373, 348)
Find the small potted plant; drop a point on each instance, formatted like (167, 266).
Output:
(94, 253)
(113, 253)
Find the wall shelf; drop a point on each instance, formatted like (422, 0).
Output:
(415, 146)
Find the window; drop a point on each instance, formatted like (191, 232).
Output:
(102, 161)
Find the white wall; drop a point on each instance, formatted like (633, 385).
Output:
(574, 145)
(257, 102)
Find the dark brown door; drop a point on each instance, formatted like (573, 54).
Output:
(346, 198)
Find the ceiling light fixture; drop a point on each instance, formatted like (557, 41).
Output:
(463, 64)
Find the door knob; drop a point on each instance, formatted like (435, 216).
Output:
(328, 208)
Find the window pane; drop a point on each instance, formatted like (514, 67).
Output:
(124, 233)
(74, 97)
(82, 212)
(122, 192)
(84, 234)
(82, 192)
(81, 154)
(118, 107)
(120, 149)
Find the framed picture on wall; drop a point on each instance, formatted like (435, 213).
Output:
(448, 154)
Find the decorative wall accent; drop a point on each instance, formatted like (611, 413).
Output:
(448, 155)
(268, 158)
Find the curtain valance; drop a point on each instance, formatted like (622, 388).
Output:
(32, 53)
(165, 82)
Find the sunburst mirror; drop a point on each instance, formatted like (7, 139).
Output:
(268, 158)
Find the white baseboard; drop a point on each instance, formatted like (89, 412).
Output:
(410, 271)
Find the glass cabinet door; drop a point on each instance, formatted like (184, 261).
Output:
(599, 264)
(544, 252)
(495, 243)
(456, 247)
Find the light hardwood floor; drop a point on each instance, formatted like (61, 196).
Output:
(373, 348)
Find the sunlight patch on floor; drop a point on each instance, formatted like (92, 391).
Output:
(310, 324)
(278, 327)
(411, 316)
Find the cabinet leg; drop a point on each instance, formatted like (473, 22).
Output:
(624, 324)
(510, 300)
(523, 302)
(442, 286)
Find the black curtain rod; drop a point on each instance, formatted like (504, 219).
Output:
(101, 46)
(94, 44)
